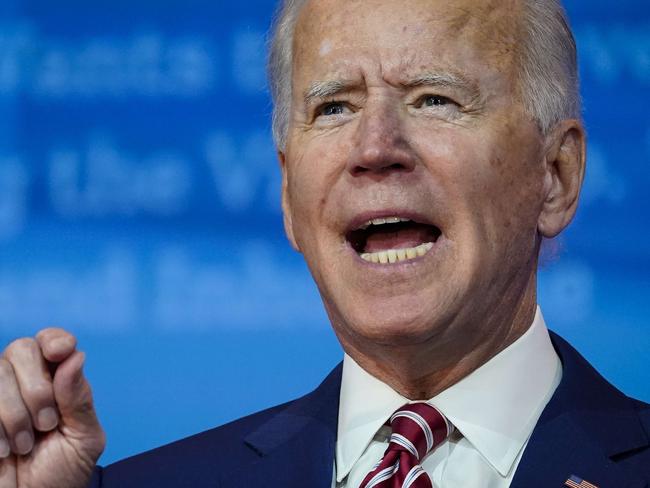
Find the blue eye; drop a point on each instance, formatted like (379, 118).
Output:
(435, 101)
(334, 108)
(437, 106)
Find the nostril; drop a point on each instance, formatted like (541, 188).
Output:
(357, 170)
(388, 168)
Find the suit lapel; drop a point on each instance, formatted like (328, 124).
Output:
(585, 424)
(296, 447)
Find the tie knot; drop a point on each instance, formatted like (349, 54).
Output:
(418, 428)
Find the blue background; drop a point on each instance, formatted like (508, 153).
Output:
(139, 208)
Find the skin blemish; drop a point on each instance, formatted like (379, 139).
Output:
(459, 19)
(325, 48)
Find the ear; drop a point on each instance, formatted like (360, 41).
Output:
(565, 170)
(286, 202)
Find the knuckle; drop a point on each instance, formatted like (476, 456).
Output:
(38, 391)
(49, 332)
(20, 345)
(55, 337)
(6, 369)
(15, 418)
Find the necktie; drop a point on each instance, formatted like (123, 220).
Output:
(418, 428)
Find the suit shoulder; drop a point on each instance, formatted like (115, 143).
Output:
(643, 410)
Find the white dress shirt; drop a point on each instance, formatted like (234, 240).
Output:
(494, 410)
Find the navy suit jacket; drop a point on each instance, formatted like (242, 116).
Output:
(589, 429)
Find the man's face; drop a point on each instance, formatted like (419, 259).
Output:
(409, 110)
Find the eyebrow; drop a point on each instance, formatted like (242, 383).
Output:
(323, 89)
(448, 80)
(319, 90)
(441, 79)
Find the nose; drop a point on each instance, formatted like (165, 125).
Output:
(381, 146)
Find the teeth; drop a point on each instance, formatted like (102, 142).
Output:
(422, 250)
(385, 220)
(393, 220)
(391, 256)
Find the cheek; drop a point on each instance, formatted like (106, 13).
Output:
(311, 177)
(490, 185)
(304, 202)
(517, 176)
(459, 164)
(511, 206)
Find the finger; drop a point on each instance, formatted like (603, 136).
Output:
(8, 474)
(5, 449)
(56, 344)
(34, 382)
(14, 415)
(74, 398)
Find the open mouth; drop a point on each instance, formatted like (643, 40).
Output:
(391, 240)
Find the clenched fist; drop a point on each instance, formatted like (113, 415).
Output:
(49, 433)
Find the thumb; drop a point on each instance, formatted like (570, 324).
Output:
(75, 401)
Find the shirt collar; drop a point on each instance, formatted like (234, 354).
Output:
(511, 389)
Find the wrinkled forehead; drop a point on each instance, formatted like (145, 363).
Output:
(415, 31)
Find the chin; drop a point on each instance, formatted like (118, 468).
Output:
(408, 326)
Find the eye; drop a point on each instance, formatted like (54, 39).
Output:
(331, 109)
(434, 101)
(438, 106)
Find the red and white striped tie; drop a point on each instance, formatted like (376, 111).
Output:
(418, 428)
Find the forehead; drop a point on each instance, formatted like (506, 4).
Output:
(339, 35)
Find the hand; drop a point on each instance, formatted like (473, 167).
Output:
(49, 433)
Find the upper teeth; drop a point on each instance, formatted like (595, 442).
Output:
(384, 220)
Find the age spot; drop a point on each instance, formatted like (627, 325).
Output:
(325, 48)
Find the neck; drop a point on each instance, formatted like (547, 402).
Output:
(421, 371)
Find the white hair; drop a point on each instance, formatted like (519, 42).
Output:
(548, 71)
